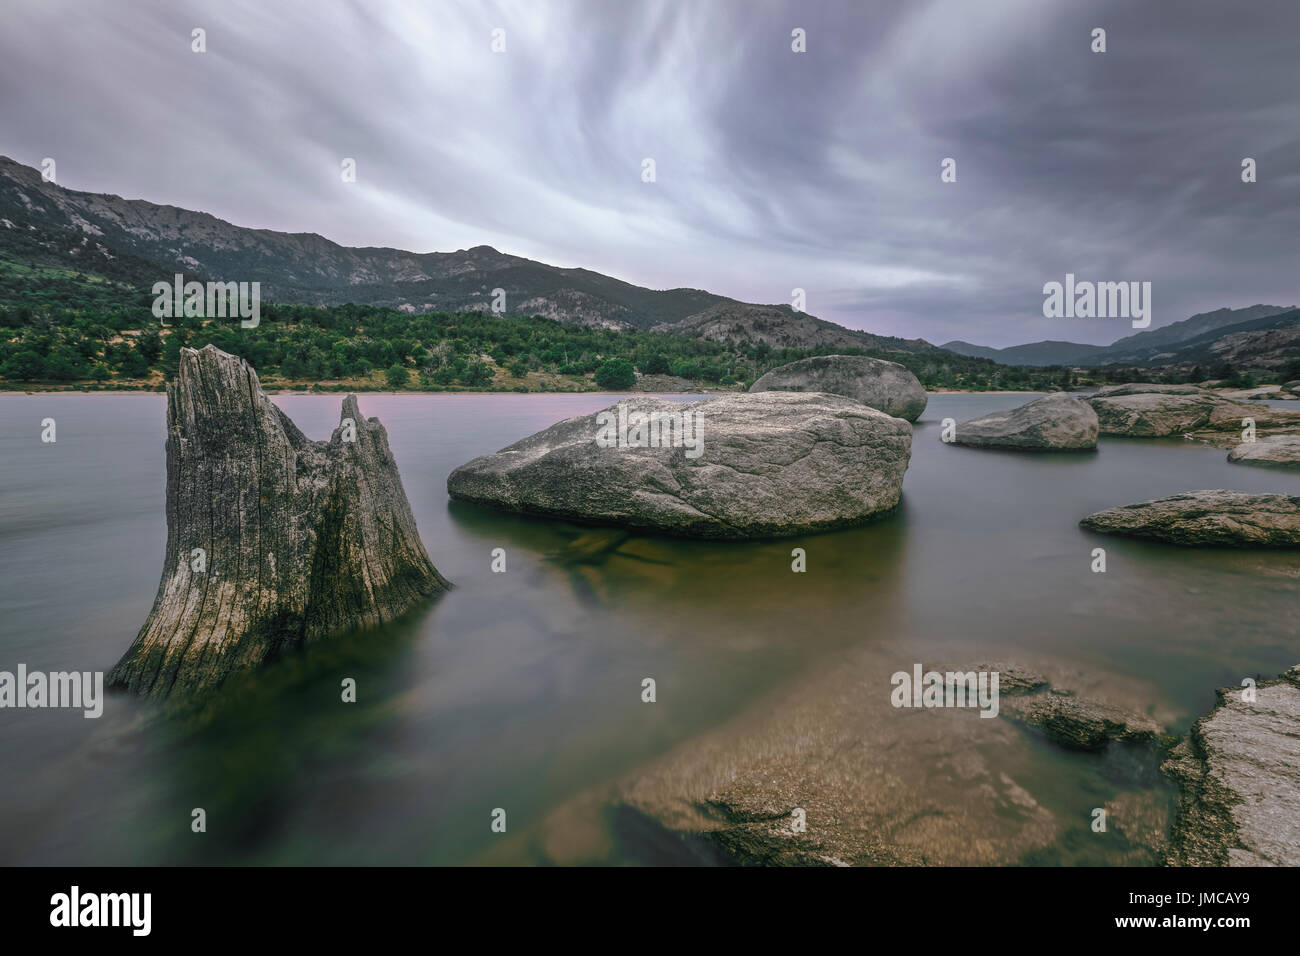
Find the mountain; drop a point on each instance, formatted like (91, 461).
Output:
(1136, 349)
(1035, 353)
(136, 242)
(1269, 343)
(1177, 334)
(780, 327)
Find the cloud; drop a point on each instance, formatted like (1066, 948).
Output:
(775, 169)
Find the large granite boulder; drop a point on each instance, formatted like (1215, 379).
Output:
(273, 541)
(766, 465)
(1158, 414)
(1207, 518)
(1273, 451)
(1239, 773)
(886, 386)
(1055, 422)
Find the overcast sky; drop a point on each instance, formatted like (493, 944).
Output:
(775, 169)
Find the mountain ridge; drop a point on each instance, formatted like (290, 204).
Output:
(308, 268)
(1137, 348)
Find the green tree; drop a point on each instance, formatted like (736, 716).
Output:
(26, 365)
(397, 376)
(656, 364)
(616, 375)
(476, 374)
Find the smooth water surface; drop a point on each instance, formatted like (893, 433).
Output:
(522, 690)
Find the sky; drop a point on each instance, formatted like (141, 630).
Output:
(774, 169)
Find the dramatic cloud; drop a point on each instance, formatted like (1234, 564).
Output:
(775, 169)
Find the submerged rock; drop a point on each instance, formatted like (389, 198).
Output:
(826, 771)
(1207, 518)
(273, 540)
(882, 385)
(1072, 720)
(1274, 451)
(1055, 422)
(754, 466)
(1239, 773)
(1078, 723)
(1157, 414)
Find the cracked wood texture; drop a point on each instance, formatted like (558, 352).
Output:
(303, 539)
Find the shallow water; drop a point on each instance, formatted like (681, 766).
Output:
(522, 690)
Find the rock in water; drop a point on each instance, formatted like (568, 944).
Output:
(1239, 771)
(273, 540)
(882, 385)
(1207, 518)
(767, 465)
(1159, 414)
(1273, 451)
(1055, 422)
(1147, 388)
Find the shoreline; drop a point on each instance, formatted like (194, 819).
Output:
(344, 390)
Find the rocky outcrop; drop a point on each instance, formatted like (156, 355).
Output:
(886, 386)
(1261, 393)
(1146, 388)
(1075, 721)
(273, 540)
(1055, 422)
(1273, 451)
(826, 771)
(1158, 414)
(1207, 518)
(749, 466)
(1239, 774)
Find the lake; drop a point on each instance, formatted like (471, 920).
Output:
(522, 690)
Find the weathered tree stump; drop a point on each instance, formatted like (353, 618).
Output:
(273, 540)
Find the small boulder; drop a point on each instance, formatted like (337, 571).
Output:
(1055, 422)
(1158, 415)
(1273, 451)
(1260, 393)
(886, 386)
(1207, 519)
(1146, 388)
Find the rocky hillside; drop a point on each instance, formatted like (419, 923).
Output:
(138, 243)
(780, 327)
(1152, 345)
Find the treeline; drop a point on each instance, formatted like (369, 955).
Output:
(358, 346)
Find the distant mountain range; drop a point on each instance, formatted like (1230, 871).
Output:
(1161, 345)
(109, 240)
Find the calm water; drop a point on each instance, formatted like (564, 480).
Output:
(522, 690)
